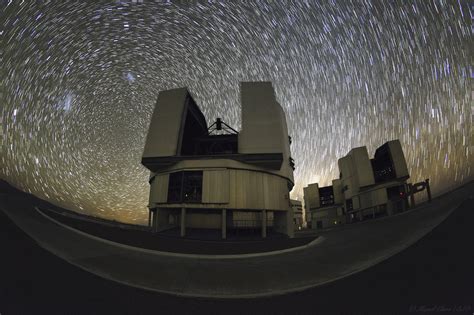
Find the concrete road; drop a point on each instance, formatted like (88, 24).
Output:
(342, 253)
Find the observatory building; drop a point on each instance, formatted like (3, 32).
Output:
(297, 213)
(366, 188)
(325, 204)
(215, 177)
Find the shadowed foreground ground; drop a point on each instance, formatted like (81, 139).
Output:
(435, 273)
(171, 242)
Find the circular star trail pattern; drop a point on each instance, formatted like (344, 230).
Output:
(79, 82)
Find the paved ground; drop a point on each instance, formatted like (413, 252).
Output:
(176, 244)
(341, 253)
(433, 274)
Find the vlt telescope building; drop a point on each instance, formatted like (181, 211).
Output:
(216, 177)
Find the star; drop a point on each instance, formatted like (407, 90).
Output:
(80, 81)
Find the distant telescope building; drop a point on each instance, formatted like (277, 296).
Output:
(215, 177)
(325, 204)
(366, 188)
(297, 207)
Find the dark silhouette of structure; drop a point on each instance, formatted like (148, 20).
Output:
(366, 188)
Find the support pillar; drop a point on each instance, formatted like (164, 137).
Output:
(412, 195)
(224, 223)
(290, 228)
(264, 224)
(428, 189)
(155, 225)
(152, 220)
(183, 222)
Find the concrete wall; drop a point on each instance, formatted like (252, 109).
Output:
(311, 197)
(337, 190)
(365, 200)
(362, 166)
(203, 220)
(231, 189)
(158, 189)
(264, 128)
(163, 218)
(283, 223)
(356, 202)
(372, 198)
(356, 171)
(255, 190)
(378, 197)
(328, 216)
(319, 214)
(216, 186)
(346, 169)
(398, 158)
(252, 215)
(164, 130)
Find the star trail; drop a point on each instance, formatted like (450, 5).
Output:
(79, 82)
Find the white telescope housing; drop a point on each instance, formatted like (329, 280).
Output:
(205, 180)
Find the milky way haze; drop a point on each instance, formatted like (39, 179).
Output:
(79, 82)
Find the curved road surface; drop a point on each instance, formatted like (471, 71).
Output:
(433, 276)
(343, 252)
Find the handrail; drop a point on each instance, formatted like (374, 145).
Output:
(250, 223)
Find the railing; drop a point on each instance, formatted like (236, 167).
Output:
(292, 163)
(249, 223)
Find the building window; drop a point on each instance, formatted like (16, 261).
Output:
(185, 187)
(349, 205)
(174, 187)
(192, 186)
(382, 165)
(326, 196)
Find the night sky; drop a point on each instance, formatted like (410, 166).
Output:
(79, 81)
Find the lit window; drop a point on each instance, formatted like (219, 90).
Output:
(185, 187)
